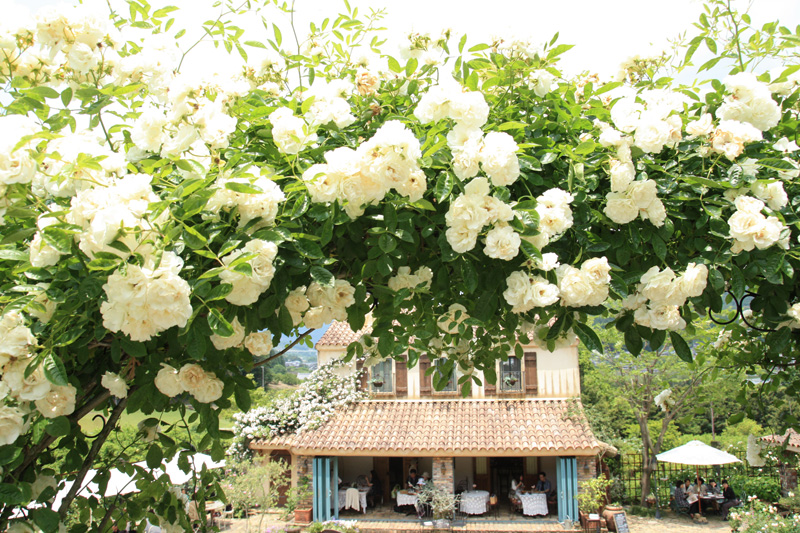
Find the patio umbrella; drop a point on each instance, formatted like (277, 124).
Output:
(697, 453)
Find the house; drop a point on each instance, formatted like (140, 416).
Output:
(789, 445)
(530, 421)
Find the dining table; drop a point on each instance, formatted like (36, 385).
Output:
(362, 499)
(534, 503)
(405, 497)
(475, 502)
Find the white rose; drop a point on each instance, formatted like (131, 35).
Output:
(597, 269)
(168, 382)
(209, 389)
(450, 321)
(59, 401)
(115, 385)
(576, 287)
(785, 145)
(33, 387)
(620, 208)
(772, 193)
(655, 212)
(748, 204)
(693, 282)
(232, 341)
(461, 238)
(259, 343)
(499, 159)
(15, 338)
(657, 285)
(343, 294)
(41, 483)
(625, 114)
(297, 301)
(502, 243)
(519, 292)
(622, 174)
(768, 233)
(643, 193)
(191, 376)
(81, 58)
(12, 424)
(318, 316)
(548, 262)
(543, 292)
(703, 126)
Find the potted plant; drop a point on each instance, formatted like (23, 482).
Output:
(510, 380)
(297, 501)
(377, 383)
(591, 497)
(442, 504)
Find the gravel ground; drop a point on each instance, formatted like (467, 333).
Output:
(640, 524)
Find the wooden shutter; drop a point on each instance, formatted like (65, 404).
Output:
(364, 380)
(424, 379)
(401, 378)
(489, 389)
(531, 379)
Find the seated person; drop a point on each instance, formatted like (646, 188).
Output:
(362, 482)
(412, 479)
(374, 484)
(543, 485)
(694, 503)
(518, 485)
(730, 499)
(424, 480)
(713, 488)
(680, 496)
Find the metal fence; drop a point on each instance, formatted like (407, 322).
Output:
(666, 474)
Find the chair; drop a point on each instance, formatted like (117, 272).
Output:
(226, 516)
(494, 505)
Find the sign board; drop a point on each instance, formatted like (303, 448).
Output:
(621, 521)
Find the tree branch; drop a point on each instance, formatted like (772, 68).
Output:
(288, 347)
(90, 457)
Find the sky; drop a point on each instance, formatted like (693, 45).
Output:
(604, 32)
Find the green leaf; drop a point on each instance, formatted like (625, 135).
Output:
(54, 370)
(387, 243)
(58, 239)
(586, 147)
(633, 341)
(58, 427)
(218, 324)
(322, 276)
(308, 248)
(243, 188)
(411, 66)
(470, 276)
(154, 456)
(444, 186)
(66, 96)
(737, 282)
(681, 347)
(219, 292)
(394, 66)
(242, 397)
(11, 494)
(735, 419)
(588, 337)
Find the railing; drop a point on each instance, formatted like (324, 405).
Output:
(510, 380)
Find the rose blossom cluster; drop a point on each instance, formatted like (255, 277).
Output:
(23, 385)
(356, 178)
(750, 229)
(404, 279)
(248, 286)
(143, 301)
(329, 104)
(319, 305)
(652, 123)
(471, 212)
(114, 384)
(16, 166)
(587, 285)
(495, 153)
(258, 343)
(205, 386)
(794, 315)
(249, 205)
(114, 214)
(555, 216)
(749, 101)
(660, 295)
(290, 133)
(526, 291)
(308, 407)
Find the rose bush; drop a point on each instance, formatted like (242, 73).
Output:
(160, 228)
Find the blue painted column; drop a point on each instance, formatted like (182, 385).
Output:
(326, 488)
(567, 486)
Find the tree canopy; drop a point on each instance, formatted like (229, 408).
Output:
(162, 228)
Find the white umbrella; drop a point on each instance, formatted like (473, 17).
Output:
(697, 453)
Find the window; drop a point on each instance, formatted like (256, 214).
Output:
(381, 376)
(443, 367)
(511, 375)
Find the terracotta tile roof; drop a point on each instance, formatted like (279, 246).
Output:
(340, 334)
(778, 440)
(449, 427)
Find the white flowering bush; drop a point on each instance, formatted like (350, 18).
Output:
(163, 226)
(308, 407)
(756, 516)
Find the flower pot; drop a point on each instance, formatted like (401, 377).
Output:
(302, 516)
(377, 384)
(441, 523)
(608, 515)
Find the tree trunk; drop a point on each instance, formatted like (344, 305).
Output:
(647, 459)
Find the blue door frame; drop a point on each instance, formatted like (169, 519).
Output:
(325, 476)
(567, 485)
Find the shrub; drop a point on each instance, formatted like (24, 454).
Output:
(757, 516)
(764, 488)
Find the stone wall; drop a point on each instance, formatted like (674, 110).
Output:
(444, 473)
(586, 467)
(788, 478)
(304, 467)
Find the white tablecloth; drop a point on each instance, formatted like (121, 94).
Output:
(406, 499)
(534, 504)
(362, 499)
(475, 502)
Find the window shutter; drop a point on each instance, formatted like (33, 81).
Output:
(364, 380)
(401, 377)
(489, 388)
(531, 379)
(424, 380)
